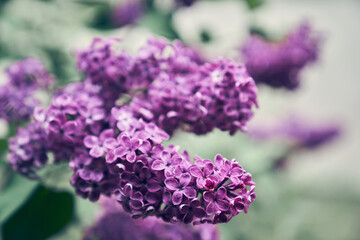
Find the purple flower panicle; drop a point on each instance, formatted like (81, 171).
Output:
(278, 64)
(115, 148)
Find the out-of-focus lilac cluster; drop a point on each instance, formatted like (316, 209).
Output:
(17, 96)
(307, 136)
(116, 150)
(278, 64)
(28, 151)
(114, 223)
(300, 132)
(127, 12)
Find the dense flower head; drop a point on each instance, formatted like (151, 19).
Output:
(127, 12)
(278, 64)
(219, 94)
(172, 86)
(116, 148)
(114, 223)
(17, 97)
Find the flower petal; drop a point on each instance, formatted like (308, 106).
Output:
(208, 196)
(158, 165)
(177, 197)
(97, 152)
(210, 209)
(222, 205)
(189, 192)
(184, 179)
(91, 141)
(196, 171)
(172, 184)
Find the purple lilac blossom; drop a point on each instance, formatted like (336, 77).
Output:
(127, 12)
(163, 182)
(113, 223)
(114, 151)
(278, 64)
(17, 96)
(219, 94)
(172, 86)
(300, 132)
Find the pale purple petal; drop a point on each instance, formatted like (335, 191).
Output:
(91, 141)
(196, 171)
(172, 184)
(97, 152)
(158, 165)
(189, 192)
(185, 179)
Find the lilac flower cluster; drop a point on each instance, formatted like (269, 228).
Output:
(17, 100)
(114, 223)
(127, 12)
(60, 129)
(308, 136)
(114, 150)
(278, 64)
(301, 133)
(219, 94)
(179, 89)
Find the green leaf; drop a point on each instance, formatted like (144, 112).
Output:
(14, 195)
(253, 4)
(56, 177)
(46, 213)
(159, 24)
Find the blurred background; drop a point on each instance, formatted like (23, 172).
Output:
(308, 194)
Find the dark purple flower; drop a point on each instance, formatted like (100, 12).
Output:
(129, 198)
(192, 209)
(216, 201)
